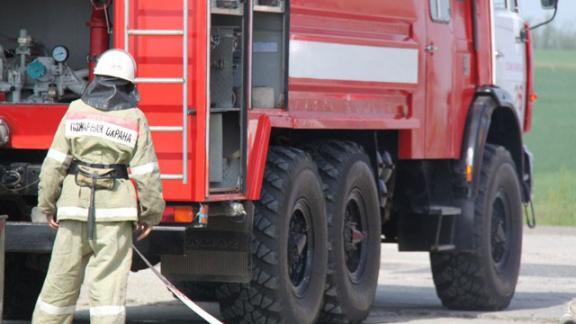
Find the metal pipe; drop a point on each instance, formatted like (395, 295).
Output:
(185, 94)
(166, 129)
(160, 80)
(208, 96)
(171, 177)
(99, 37)
(155, 32)
(126, 23)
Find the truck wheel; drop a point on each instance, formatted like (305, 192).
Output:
(289, 248)
(485, 279)
(353, 230)
(23, 281)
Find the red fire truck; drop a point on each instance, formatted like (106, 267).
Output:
(293, 138)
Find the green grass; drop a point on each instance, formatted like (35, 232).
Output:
(555, 197)
(555, 59)
(553, 138)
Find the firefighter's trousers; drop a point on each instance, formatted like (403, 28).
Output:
(106, 261)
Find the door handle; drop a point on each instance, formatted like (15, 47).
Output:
(431, 48)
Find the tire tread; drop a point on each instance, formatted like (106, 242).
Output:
(256, 302)
(459, 276)
(328, 156)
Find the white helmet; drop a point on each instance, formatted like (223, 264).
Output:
(116, 63)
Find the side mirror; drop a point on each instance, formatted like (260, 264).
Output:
(549, 4)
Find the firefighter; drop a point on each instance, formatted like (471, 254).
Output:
(85, 194)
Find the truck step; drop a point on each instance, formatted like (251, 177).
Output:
(441, 245)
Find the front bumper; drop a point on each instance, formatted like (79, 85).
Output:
(24, 237)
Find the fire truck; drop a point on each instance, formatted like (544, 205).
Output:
(293, 137)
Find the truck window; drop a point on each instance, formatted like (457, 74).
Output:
(440, 10)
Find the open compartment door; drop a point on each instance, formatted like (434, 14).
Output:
(228, 57)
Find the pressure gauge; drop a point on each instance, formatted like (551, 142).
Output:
(60, 54)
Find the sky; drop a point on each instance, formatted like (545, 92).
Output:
(566, 12)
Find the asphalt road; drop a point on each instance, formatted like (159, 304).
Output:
(406, 293)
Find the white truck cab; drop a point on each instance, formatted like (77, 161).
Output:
(510, 52)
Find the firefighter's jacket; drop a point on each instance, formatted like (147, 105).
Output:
(102, 137)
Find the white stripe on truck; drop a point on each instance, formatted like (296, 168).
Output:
(331, 61)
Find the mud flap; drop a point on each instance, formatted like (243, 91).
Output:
(221, 252)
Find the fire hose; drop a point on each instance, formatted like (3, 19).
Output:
(181, 296)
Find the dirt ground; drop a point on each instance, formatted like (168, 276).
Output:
(406, 293)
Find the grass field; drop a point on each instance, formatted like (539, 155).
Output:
(553, 137)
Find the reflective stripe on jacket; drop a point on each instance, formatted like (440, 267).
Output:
(102, 137)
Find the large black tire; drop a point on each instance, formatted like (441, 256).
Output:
(23, 281)
(289, 250)
(486, 278)
(354, 225)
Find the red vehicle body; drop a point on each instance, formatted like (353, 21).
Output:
(425, 131)
(411, 85)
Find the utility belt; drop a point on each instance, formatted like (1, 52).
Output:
(96, 177)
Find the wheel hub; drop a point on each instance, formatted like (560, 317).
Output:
(499, 239)
(300, 248)
(357, 236)
(354, 235)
